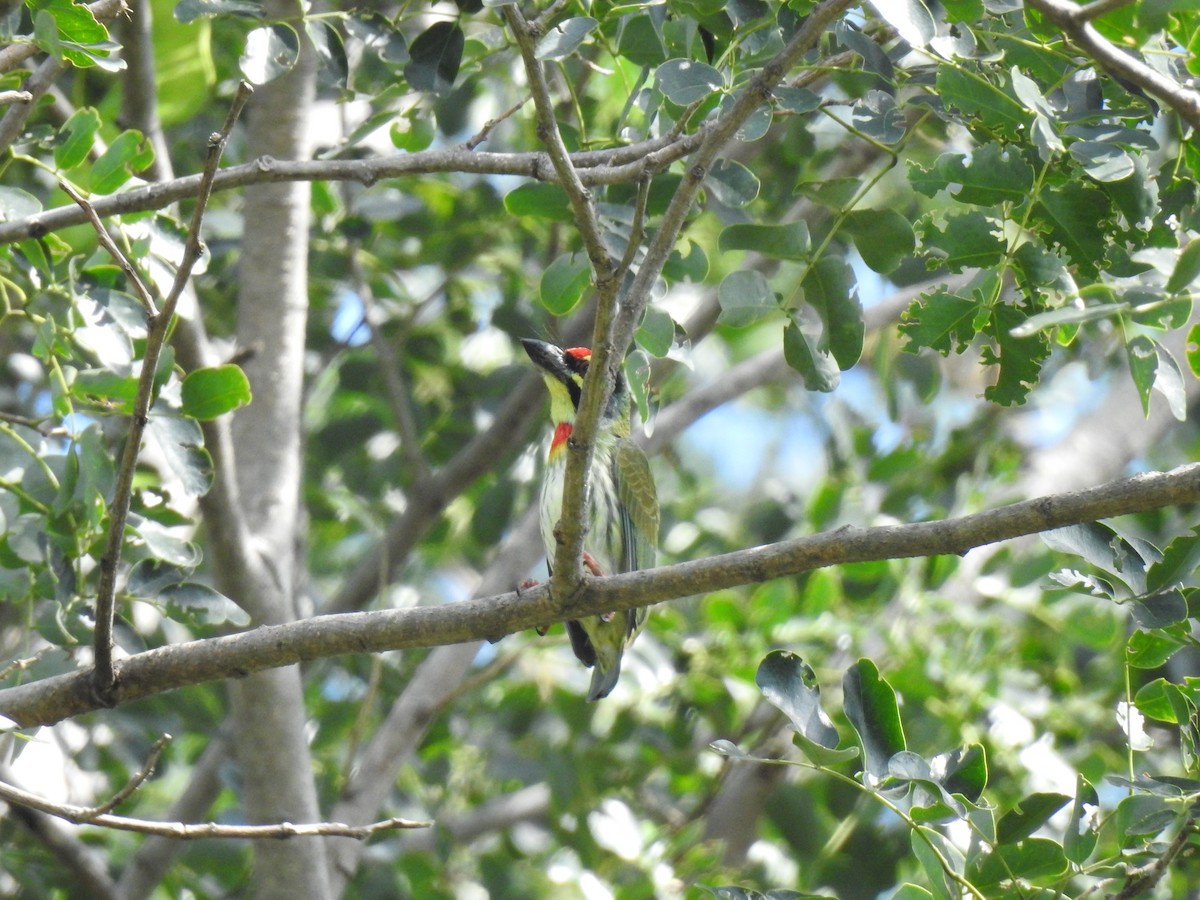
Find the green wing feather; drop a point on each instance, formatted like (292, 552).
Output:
(639, 502)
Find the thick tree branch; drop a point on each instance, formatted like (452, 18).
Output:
(615, 166)
(166, 668)
(1075, 21)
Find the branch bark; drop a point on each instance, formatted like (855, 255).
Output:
(178, 665)
(614, 166)
(1076, 23)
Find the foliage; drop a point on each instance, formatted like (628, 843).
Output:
(923, 186)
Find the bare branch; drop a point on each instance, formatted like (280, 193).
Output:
(177, 665)
(613, 166)
(120, 256)
(82, 815)
(159, 325)
(1075, 21)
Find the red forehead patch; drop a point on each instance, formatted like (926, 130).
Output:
(578, 352)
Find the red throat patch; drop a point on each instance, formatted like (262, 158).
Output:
(562, 431)
(579, 352)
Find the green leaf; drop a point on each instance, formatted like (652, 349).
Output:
(1168, 381)
(884, 238)
(1141, 816)
(970, 240)
(540, 200)
(1028, 816)
(745, 297)
(870, 705)
(1019, 359)
(940, 320)
(76, 137)
(829, 288)
(149, 576)
(200, 604)
(684, 81)
(693, 267)
(564, 282)
(1150, 649)
(130, 152)
(17, 204)
(732, 183)
(641, 41)
(1187, 268)
(1143, 364)
(789, 241)
(1193, 349)
(789, 683)
(1160, 609)
(564, 38)
(656, 334)
(964, 771)
(434, 58)
(989, 175)
(818, 367)
(1101, 161)
(214, 391)
(188, 11)
(271, 51)
(911, 19)
(971, 94)
(1072, 215)
(1033, 858)
(182, 444)
(1081, 835)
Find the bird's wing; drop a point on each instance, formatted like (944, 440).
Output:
(639, 502)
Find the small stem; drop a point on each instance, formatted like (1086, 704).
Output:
(103, 675)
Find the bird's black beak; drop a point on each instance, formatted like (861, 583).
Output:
(548, 358)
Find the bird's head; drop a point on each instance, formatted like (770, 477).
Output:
(564, 371)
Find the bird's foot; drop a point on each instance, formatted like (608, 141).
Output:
(524, 586)
(591, 565)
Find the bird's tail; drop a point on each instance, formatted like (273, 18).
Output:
(604, 681)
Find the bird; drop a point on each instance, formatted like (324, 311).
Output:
(623, 523)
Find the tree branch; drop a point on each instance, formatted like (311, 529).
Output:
(1075, 21)
(82, 815)
(749, 99)
(178, 665)
(594, 167)
(159, 325)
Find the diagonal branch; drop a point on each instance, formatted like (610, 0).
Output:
(159, 325)
(178, 665)
(1075, 21)
(715, 138)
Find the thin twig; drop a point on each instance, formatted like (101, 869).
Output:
(488, 126)
(83, 815)
(104, 676)
(91, 813)
(637, 231)
(1143, 879)
(7, 97)
(121, 257)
